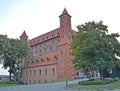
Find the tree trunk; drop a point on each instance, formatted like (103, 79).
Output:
(10, 76)
(101, 74)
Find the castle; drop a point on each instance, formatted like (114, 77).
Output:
(50, 58)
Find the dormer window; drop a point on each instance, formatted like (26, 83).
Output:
(42, 60)
(55, 58)
(47, 59)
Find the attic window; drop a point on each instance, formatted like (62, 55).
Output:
(37, 61)
(55, 58)
(42, 60)
(47, 59)
(32, 61)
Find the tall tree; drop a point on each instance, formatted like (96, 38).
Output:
(3, 41)
(94, 49)
(14, 50)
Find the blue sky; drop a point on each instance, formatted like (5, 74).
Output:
(37, 17)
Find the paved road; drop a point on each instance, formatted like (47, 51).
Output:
(43, 87)
(37, 87)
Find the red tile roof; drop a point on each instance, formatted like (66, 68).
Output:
(48, 35)
(65, 12)
(24, 34)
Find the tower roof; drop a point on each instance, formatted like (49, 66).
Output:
(24, 34)
(65, 12)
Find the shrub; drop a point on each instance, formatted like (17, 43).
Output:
(97, 82)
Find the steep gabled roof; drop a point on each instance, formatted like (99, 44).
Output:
(65, 12)
(24, 34)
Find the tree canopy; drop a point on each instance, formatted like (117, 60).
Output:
(94, 48)
(12, 51)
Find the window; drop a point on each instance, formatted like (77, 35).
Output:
(40, 45)
(52, 41)
(34, 72)
(53, 71)
(30, 73)
(45, 71)
(55, 58)
(32, 62)
(37, 61)
(47, 59)
(42, 60)
(44, 49)
(50, 48)
(39, 72)
(27, 63)
(58, 39)
(40, 51)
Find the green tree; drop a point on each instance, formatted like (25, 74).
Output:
(14, 51)
(94, 49)
(3, 40)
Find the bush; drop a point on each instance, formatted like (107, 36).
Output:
(97, 82)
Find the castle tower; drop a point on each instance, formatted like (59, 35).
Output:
(65, 19)
(24, 37)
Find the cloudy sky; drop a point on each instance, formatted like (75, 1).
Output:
(37, 17)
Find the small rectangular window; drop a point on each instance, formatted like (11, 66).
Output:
(34, 72)
(53, 71)
(45, 71)
(39, 72)
(30, 73)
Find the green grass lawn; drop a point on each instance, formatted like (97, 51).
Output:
(2, 84)
(115, 85)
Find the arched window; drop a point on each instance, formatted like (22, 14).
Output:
(53, 71)
(55, 58)
(45, 71)
(47, 59)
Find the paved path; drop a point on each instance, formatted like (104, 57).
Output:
(60, 86)
(37, 87)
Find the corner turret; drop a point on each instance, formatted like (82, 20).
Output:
(65, 19)
(24, 37)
